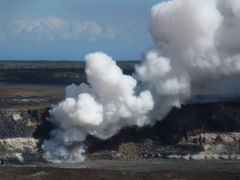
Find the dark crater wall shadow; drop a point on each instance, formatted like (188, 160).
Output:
(196, 118)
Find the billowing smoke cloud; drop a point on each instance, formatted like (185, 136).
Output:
(194, 41)
(100, 109)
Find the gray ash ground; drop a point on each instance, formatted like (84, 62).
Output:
(121, 170)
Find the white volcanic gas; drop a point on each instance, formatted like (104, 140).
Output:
(194, 41)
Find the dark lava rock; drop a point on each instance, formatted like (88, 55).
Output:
(24, 123)
(173, 135)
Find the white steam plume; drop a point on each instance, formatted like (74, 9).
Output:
(100, 109)
(195, 41)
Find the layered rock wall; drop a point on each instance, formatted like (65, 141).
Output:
(21, 134)
(196, 131)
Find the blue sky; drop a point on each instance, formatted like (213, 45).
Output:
(69, 29)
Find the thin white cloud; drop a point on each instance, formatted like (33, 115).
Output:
(53, 28)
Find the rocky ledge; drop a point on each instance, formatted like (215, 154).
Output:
(195, 131)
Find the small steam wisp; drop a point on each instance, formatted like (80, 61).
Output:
(193, 41)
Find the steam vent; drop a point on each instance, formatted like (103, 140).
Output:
(205, 127)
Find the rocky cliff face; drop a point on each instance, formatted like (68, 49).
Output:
(196, 131)
(21, 133)
(24, 123)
